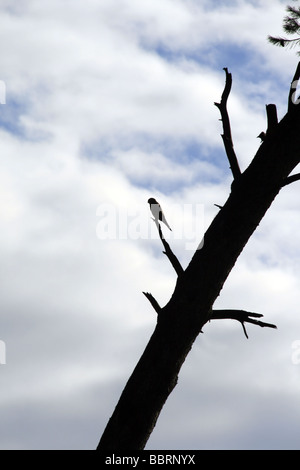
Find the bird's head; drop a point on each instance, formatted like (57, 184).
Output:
(152, 201)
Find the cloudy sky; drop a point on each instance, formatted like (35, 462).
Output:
(108, 103)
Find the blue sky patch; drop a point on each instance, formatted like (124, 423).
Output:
(10, 116)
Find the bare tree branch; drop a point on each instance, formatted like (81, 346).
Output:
(291, 179)
(272, 121)
(153, 302)
(242, 316)
(168, 252)
(272, 117)
(226, 136)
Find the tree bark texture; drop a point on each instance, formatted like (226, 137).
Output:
(181, 320)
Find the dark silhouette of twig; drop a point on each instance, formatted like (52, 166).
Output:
(226, 136)
(242, 316)
(272, 118)
(168, 252)
(272, 122)
(291, 179)
(153, 302)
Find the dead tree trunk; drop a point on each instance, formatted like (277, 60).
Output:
(197, 287)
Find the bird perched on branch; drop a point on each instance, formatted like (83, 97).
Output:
(157, 212)
(262, 136)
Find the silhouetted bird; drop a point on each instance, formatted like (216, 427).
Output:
(157, 211)
(262, 136)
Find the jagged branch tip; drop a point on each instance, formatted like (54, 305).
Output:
(153, 302)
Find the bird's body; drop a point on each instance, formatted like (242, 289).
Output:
(157, 212)
(262, 136)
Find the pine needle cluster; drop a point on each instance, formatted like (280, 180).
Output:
(291, 25)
